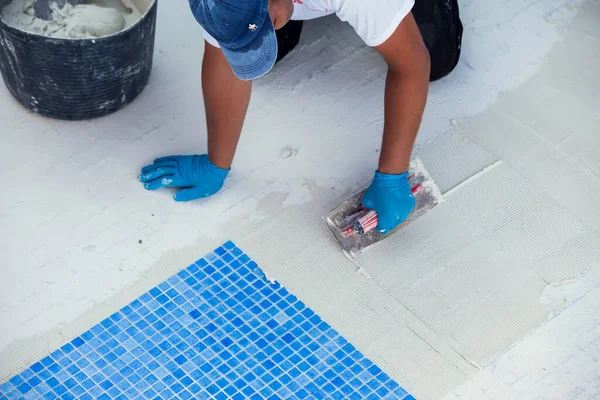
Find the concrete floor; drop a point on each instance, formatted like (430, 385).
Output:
(459, 304)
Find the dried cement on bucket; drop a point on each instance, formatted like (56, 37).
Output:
(101, 18)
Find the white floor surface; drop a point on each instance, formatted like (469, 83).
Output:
(493, 294)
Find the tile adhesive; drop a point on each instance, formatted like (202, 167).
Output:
(431, 304)
(97, 19)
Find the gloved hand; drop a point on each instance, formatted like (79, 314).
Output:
(195, 174)
(391, 198)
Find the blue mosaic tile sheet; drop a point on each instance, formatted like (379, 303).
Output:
(216, 330)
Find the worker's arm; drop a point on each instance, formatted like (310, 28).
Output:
(406, 89)
(226, 100)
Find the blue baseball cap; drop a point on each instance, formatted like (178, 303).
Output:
(244, 32)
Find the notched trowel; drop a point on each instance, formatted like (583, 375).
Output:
(354, 226)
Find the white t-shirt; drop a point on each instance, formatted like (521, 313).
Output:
(373, 20)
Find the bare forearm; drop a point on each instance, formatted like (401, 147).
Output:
(226, 100)
(405, 99)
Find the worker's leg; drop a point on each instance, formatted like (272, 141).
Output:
(441, 28)
(287, 38)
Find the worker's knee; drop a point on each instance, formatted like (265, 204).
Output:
(442, 63)
(287, 38)
(441, 28)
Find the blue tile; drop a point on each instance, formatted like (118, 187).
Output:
(217, 329)
(46, 361)
(24, 388)
(78, 391)
(34, 381)
(70, 383)
(15, 381)
(54, 368)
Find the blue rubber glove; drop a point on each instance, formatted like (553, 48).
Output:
(195, 174)
(391, 198)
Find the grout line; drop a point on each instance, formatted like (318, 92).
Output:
(478, 175)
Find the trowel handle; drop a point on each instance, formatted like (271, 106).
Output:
(368, 220)
(416, 189)
(366, 223)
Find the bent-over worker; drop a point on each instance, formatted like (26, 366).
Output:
(420, 42)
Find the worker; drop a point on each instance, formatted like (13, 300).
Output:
(420, 42)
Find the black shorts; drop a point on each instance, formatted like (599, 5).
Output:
(438, 21)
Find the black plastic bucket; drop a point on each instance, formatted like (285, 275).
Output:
(78, 79)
